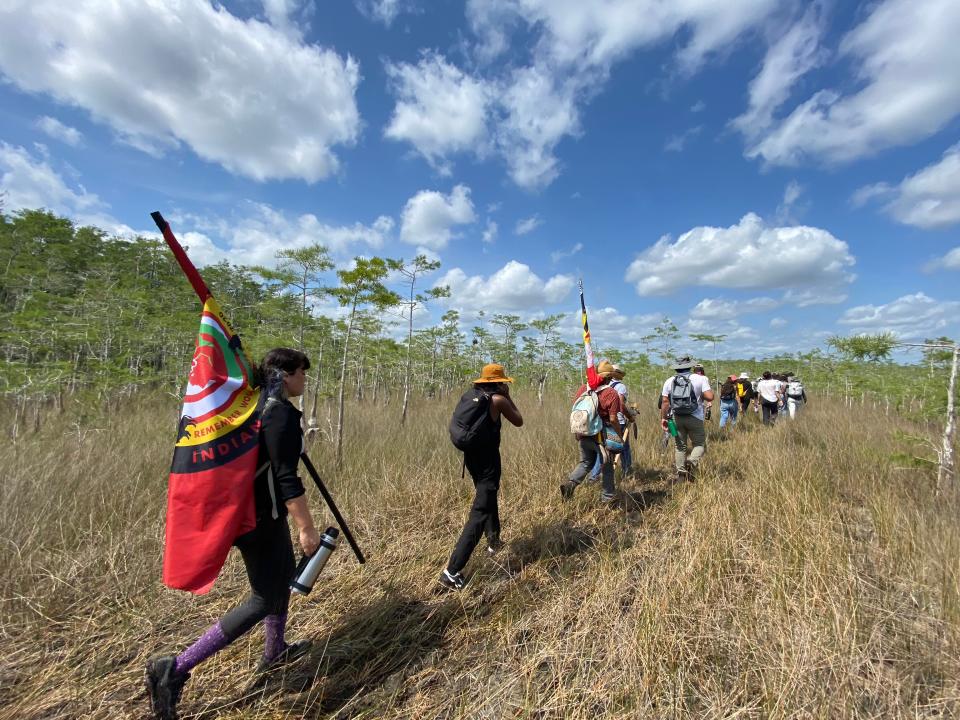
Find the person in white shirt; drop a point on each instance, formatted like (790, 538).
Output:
(796, 396)
(770, 395)
(682, 397)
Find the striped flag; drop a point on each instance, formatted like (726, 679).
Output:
(593, 380)
(210, 492)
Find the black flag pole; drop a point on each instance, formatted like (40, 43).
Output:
(333, 507)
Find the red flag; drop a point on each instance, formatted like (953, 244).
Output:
(593, 380)
(210, 493)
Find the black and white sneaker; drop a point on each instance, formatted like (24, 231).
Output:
(566, 490)
(452, 581)
(495, 545)
(164, 685)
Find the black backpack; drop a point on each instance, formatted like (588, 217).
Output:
(470, 419)
(683, 400)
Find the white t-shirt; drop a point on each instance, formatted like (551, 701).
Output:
(620, 388)
(700, 384)
(768, 389)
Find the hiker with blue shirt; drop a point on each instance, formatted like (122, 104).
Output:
(683, 396)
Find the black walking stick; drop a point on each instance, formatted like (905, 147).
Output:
(333, 507)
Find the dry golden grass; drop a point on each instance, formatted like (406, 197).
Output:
(802, 575)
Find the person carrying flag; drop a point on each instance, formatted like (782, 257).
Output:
(267, 550)
(610, 409)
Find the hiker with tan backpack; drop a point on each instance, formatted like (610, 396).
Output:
(595, 421)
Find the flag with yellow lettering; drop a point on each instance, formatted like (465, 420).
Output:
(210, 492)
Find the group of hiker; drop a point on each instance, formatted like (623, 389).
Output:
(600, 420)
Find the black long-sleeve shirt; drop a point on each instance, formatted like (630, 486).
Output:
(281, 442)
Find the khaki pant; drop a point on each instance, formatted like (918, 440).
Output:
(690, 431)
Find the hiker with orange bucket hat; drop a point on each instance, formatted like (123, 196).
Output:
(475, 429)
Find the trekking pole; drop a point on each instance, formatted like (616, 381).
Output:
(333, 507)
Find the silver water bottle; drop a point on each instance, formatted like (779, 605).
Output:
(310, 566)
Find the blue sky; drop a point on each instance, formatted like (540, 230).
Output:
(772, 170)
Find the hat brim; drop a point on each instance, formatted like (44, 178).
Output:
(490, 381)
(683, 367)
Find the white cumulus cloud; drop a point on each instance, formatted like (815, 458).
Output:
(789, 58)
(58, 131)
(288, 16)
(440, 110)
(239, 93)
(722, 309)
(528, 110)
(609, 327)
(30, 182)
(950, 261)
(930, 198)
(430, 217)
(906, 54)
(909, 316)
(512, 288)
(527, 225)
(384, 11)
(490, 232)
(558, 255)
(807, 262)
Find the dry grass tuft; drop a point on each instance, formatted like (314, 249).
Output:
(802, 575)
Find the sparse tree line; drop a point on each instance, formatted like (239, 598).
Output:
(88, 316)
(85, 315)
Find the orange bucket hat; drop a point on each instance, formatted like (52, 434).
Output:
(493, 373)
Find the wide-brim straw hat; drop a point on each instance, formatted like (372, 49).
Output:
(618, 372)
(743, 376)
(605, 368)
(493, 373)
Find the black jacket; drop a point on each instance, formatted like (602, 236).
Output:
(281, 442)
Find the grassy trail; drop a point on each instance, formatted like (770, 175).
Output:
(804, 574)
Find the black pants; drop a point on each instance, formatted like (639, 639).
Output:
(769, 412)
(744, 406)
(484, 517)
(268, 556)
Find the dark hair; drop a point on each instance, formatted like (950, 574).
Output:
(766, 374)
(277, 363)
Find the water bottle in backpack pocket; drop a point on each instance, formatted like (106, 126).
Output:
(585, 415)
